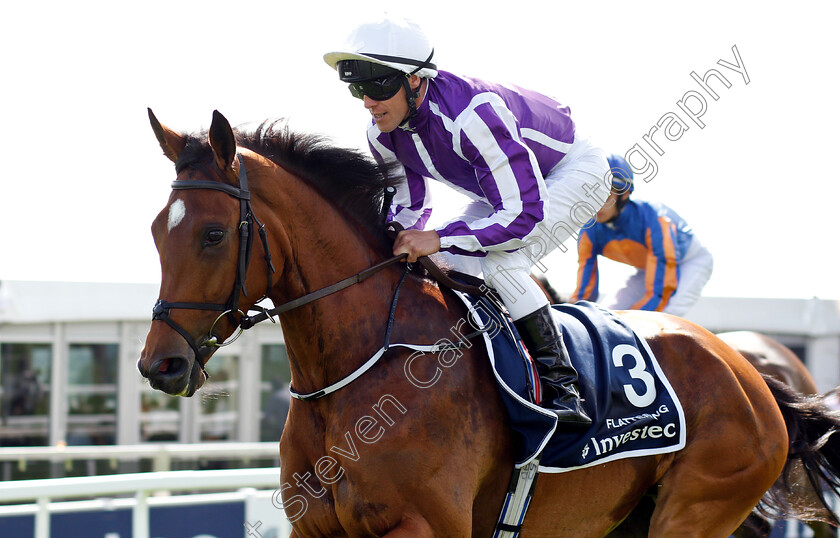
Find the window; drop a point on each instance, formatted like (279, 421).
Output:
(274, 391)
(218, 412)
(160, 415)
(92, 394)
(25, 372)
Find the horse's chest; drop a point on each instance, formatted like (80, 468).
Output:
(336, 492)
(355, 505)
(338, 514)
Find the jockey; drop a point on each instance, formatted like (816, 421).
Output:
(533, 179)
(673, 266)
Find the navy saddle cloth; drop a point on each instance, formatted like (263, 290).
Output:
(634, 410)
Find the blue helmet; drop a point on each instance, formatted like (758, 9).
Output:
(622, 174)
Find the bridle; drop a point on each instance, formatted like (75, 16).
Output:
(247, 221)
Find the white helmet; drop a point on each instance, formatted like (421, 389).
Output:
(396, 43)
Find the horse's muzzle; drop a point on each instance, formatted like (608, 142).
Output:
(176, 375)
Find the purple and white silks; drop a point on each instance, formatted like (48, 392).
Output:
(490, 142)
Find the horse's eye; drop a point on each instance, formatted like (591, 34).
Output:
(214, 237)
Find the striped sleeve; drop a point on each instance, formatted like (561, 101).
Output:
(412, 204)
(661, 271)
(487, 136)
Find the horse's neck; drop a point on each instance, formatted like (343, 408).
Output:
(331, 336)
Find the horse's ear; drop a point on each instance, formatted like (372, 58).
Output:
(222, 141)
(170, 142)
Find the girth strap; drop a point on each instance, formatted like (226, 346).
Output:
(517, 500)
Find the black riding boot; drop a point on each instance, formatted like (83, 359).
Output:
(558, 378)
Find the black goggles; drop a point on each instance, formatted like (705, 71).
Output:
(378, 89)
(379, 82)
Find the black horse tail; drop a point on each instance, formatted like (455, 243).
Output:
(813, 458)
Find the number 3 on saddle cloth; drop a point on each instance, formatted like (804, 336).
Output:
(634, 410)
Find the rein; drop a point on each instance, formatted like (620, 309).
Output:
(443, 278)
(438, 347)
(249, 321)
(247, 221)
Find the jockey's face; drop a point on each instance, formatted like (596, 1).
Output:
(390, 113)
(610, 209)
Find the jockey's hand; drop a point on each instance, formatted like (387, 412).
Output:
(416, 243)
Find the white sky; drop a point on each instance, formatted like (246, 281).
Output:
(83, 176)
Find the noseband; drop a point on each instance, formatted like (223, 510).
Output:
(247, 221)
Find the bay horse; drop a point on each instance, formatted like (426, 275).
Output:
(384, 456)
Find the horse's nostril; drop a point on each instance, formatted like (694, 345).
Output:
(170, 367)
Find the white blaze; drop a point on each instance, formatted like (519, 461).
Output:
(176, 214)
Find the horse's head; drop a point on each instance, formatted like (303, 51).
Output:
(319, 202)
(204, 237)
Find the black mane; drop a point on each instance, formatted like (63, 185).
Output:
(349, 178)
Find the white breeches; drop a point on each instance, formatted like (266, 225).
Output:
(695, 271)
(577, 189)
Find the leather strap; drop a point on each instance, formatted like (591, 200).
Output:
(249, 321)
(394, 228)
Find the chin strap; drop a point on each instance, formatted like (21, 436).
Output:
(410, 94)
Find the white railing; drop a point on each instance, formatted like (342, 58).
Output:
(140, 485)
(161, 454)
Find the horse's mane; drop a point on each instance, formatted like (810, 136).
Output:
(351, 179)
